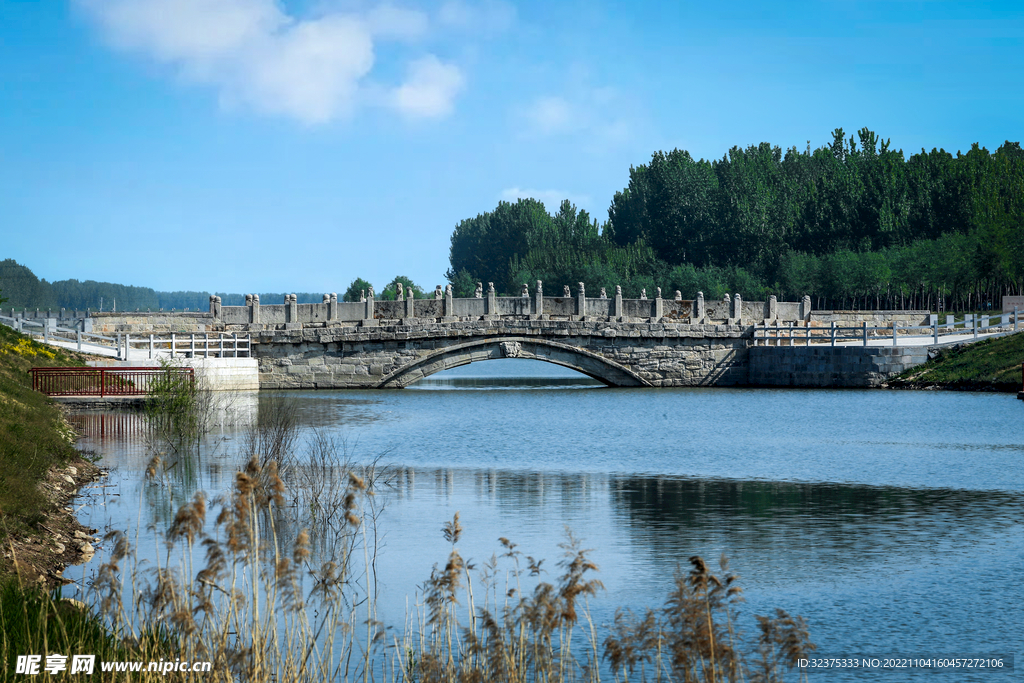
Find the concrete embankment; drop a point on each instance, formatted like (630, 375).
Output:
(215, 374)
(826, 366)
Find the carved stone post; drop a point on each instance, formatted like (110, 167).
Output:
(737, 309)
(805, 308)
(581, 301)
(213, 305)
(699, 312)
(368, 313)
(254, 316)
(773, 308)
(492, 301)
(617, 311)
(538, 302)
(659, 306)
(449, 304)
(410, 304)
(291, 308)
(332, 307)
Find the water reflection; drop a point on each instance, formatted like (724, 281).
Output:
(435, 382)
(850, 525)
(650, 478)
(505, 373)
(122, 427)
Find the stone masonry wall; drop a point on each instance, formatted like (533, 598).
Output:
(151, 323)
(825, 366)
(347, 356)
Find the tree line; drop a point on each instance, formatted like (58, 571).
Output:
(854, 224)
(21, 288)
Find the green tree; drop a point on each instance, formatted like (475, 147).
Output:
(463, 284)
(483, 246)
(355, 290)
(798, 274)
(754, 211)
(391, 289)
(671, 204)
(23, 288)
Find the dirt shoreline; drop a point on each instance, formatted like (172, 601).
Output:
(40, 556)
(959, 385)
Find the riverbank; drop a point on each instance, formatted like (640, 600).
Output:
(988, 365)
(40, 470)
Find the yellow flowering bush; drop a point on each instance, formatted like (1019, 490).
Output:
(26, 348)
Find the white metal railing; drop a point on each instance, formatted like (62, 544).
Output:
(184, 345)
(40, 328)
(803, 334)
(192, 345)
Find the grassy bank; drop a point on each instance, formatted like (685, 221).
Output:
(33, 435)
(989, 365)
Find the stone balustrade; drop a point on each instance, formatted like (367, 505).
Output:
(443, 307)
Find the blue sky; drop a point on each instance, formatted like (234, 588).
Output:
(254, 145)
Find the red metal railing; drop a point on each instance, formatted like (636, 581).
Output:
(126, 426)
(104, 381)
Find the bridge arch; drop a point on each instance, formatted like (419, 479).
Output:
(572, 357)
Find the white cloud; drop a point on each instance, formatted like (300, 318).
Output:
(389, 21)
(549, 115)
(256, 55)
(195, 30)
(599, 115)
(430, 89)
(551, 199)
(486, 16)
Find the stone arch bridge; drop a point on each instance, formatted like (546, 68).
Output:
(620, 342)
(390, 344)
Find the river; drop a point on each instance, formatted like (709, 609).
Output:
(893, 522)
